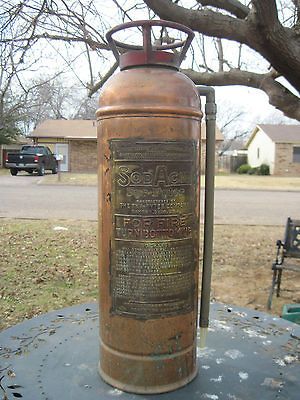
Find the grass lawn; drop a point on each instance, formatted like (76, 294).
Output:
(47, 265)
(44, 267)
(235, 181)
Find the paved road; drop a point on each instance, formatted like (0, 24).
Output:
(256, 207)
(23, 197)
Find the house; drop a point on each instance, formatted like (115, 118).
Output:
(14, 146)
(278, 146)
(76, 141)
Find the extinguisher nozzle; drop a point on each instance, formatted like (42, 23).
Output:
(203, 336)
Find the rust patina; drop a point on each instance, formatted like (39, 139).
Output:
(148, 145)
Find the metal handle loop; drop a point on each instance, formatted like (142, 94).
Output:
(146, 26)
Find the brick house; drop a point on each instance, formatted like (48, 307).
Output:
(76, 141)
(277, 146)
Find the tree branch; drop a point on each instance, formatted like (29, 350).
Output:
(99, 84)
(279, 96)
(266, 13)
(124, 12)
(234, 7)
(208, 22)
(297, 10)
(261, 31)
(268, 36)
(92, 43)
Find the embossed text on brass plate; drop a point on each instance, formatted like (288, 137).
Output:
(154, 227)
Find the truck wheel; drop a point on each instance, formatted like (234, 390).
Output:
(13, 171)
(54, 170)
(41, 170)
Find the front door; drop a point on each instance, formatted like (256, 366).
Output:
(62, 149)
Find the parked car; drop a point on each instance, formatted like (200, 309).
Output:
(32, 158)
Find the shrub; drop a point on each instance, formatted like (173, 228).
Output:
(243, 169)
(264, 169)
(253, 171)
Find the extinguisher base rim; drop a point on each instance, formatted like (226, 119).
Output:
(146, 389)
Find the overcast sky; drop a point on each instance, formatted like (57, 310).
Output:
(55, 56)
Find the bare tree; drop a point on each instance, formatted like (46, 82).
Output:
(261, 27)
(269, 29)
(233, 122)
(47, 98)
(17, 36)
(85, 108)
(12, 57)
(27, 28)
(61, 23)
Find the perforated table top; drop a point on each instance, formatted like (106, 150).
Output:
(249, 355)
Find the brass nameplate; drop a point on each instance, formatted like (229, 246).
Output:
(155, 227)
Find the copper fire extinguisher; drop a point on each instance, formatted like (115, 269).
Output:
(148, 143)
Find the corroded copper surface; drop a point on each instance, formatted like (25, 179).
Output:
(148, 144)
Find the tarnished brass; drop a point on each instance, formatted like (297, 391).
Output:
(154, 192)
(148, 145)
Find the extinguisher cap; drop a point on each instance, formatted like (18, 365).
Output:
(168, 54)
(142, 58)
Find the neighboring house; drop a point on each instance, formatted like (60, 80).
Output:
(278, 146)
(76, 141)
(14, 146)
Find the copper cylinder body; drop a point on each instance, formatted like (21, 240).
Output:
(148, 144)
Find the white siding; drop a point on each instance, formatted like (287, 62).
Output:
(261, 150)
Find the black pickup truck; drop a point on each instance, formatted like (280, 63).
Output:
(32, 158)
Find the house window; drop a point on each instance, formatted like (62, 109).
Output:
(296, 154)
(258, 152)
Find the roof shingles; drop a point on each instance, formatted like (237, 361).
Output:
(66, 128)
(282, 133)
(80, 129)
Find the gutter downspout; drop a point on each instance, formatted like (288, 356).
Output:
(210, 118)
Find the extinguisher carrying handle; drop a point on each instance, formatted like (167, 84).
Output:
(148, 47)
(210, 113)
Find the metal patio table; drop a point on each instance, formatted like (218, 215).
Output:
(249, 355)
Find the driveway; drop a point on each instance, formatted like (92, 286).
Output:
(23, 197)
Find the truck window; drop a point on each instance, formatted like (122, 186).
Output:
(32, 149)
